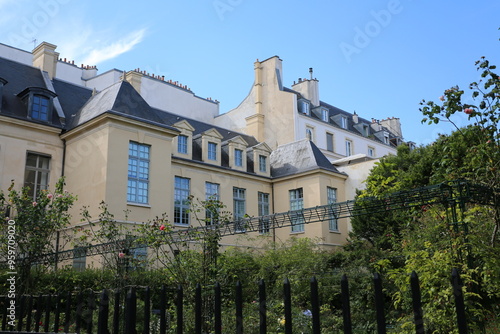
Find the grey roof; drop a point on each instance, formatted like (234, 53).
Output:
(298, 157)
(120, 99)
(334, 111)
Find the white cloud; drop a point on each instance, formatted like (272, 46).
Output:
(100, 54)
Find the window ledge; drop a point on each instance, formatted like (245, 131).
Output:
(336, 232)
(139, 205)
(298, 232)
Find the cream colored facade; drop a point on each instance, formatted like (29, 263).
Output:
(94, 120)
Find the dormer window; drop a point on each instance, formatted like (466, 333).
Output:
(212, 151)
(324, 115)
(40, 108)
(304, 107)
(182, 144)
(343, 122)
(238, 157)
(38, 102)
(262, 163)
(236, 150)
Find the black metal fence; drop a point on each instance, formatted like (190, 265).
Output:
(131, 313)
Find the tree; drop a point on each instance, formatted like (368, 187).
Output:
(480, 144)
(37, 224)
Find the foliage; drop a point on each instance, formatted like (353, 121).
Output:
(483, 138)
(37, 226)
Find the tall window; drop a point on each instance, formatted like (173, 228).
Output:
(343, 122)
(79, 258)
(296, 206)
(371, 151)
(212, 151)
(239, 208)
(182, 144)
(309, 134)
(262, 163)
(138, 173)
(36, 174)
(238, 157)
(348, 148)
(329, 142)
(40, 108)
(181, 201)
(263, 203)
(212, 202)
(331, 194)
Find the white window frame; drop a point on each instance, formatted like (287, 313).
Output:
(212, 151)
(41, 172)
(371, 151)
(324, 114)
(348, 147)
(343, 122)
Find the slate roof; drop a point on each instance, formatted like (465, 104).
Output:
(298, 157)
(81, 105)
(334, 111)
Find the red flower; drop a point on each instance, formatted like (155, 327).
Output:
(162, 227)
(468, 111)
(121, 255)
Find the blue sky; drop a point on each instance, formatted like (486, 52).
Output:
(378, 58)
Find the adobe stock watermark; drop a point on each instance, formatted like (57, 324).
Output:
(223, 6)
(363, 36)
(31, 25)
(12, 273)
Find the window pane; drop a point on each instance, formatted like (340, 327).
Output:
(138, 173)
(36, 174)
(296, 204)
(181, 200)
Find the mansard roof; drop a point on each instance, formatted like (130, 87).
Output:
(297, 157)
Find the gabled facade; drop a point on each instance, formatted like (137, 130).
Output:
(278, 115)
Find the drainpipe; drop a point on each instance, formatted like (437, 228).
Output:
(272, 206)
(58, 233)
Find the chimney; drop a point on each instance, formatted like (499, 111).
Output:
(45, 57)
(394, 125)
(308, 88)
(355, 118)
